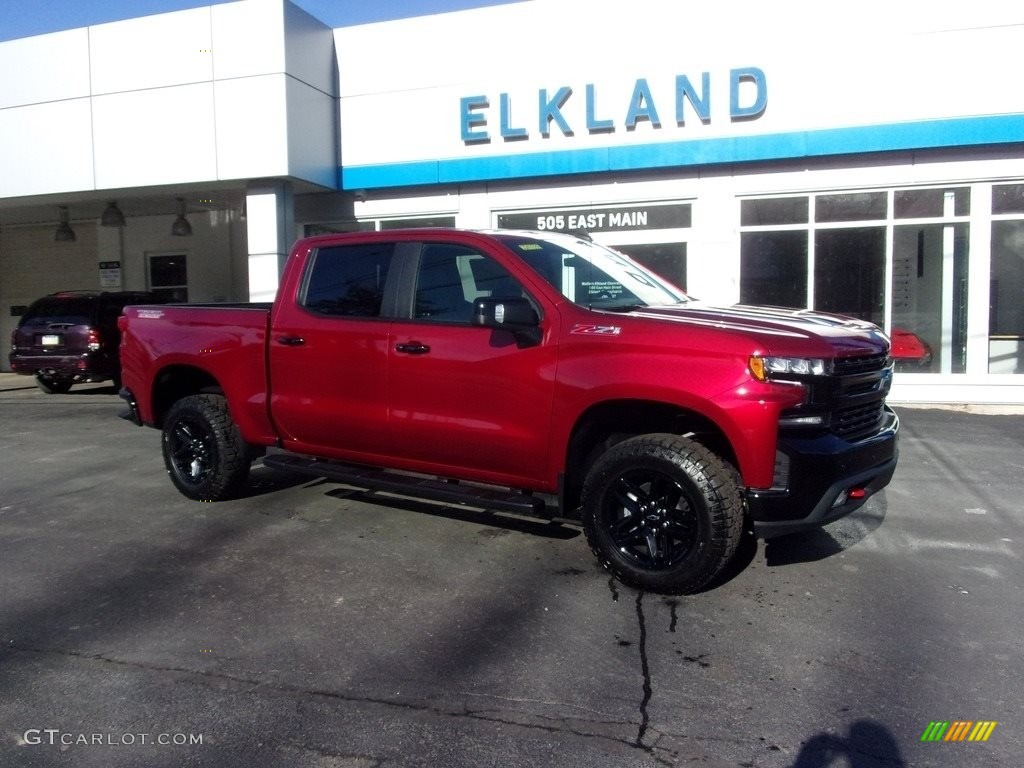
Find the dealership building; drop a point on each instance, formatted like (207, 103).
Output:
(867, 161)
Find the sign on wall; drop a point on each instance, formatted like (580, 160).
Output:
(618, 219)
(110, 274)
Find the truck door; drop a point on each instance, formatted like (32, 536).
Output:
(471, 398)
(329, 353)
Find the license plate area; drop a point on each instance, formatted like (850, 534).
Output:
(50, 340)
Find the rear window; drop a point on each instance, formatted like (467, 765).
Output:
(70, 310)
(348, 280)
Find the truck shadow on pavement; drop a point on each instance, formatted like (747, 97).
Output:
(833, 539)
(264, 481)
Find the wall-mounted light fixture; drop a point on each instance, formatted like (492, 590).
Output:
(181, 227)
(112, 216)
(64, 233)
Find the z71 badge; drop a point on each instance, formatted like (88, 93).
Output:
(585, 329)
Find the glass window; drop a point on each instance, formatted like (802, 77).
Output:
(773, 268)
(773, 211)
(168, 276)
(929, 298)
(427, 221)
(931, 203)
(1006, 297)
(849, 272)
(1008, 198)
(440, 290)
(667, 260)
(590, 274)
(348, 280)
(853, 206)
(69, 310)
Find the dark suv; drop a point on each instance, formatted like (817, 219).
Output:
(72, 337)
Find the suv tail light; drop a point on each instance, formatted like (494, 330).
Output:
(92, 340)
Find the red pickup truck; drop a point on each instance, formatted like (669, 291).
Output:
(537, 373)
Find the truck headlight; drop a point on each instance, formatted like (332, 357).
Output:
(764, 368)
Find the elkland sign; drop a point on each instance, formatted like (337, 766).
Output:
(748, 99)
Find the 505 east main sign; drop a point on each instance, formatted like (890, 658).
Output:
(748, 99)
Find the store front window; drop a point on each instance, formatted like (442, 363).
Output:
(832, 252)
(773, 268)
(849, 272)
(929, 297)
(1006, 291)
(666, 260)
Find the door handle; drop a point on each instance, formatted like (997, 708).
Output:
(291, 341)
(412, 348)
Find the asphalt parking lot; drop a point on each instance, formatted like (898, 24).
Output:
(309, 625)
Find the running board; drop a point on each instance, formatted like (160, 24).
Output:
(451, 492)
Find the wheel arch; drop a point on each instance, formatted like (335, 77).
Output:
(605, 424)
(174, 382)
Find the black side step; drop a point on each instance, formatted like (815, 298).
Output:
(410, 485)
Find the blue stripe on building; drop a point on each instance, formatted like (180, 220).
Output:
(929, 134)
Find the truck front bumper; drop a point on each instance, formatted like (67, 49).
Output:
(825, 478)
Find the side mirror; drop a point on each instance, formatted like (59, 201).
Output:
(513, 314)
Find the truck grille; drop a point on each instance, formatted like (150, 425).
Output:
(851, 401)
(859, 394)
(845, 366)
(861, 419)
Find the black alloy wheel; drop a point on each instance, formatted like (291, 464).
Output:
(662, 513)
(204, 453)
(650, 519)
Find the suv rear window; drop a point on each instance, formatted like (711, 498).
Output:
(70, 310)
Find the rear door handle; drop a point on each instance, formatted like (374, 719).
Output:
(291, 341)
(412, 348)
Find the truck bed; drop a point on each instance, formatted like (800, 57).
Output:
(230, 340)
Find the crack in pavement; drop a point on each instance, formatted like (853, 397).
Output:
(554, 725)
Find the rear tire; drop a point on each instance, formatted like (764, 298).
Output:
(53, 385)
(204, 453)
(662, 513)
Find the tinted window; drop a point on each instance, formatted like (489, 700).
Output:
(774, 210)
(73, 310)
(590, 274)
(452, 277)
(348, 280)
(773, 268)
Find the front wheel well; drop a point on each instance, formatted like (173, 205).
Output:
(607, 424)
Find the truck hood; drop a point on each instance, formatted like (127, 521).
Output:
(848, 336)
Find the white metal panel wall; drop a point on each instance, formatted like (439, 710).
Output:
(163, 136)
(252, 133)
(44, 68)
(151, 52)
(46, 148)
(312, 136)
(133, 103)
(249, 37)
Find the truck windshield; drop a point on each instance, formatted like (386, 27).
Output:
(592, 275)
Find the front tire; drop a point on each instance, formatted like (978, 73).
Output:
(662, 513)
(53, 385)
(204, 453)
